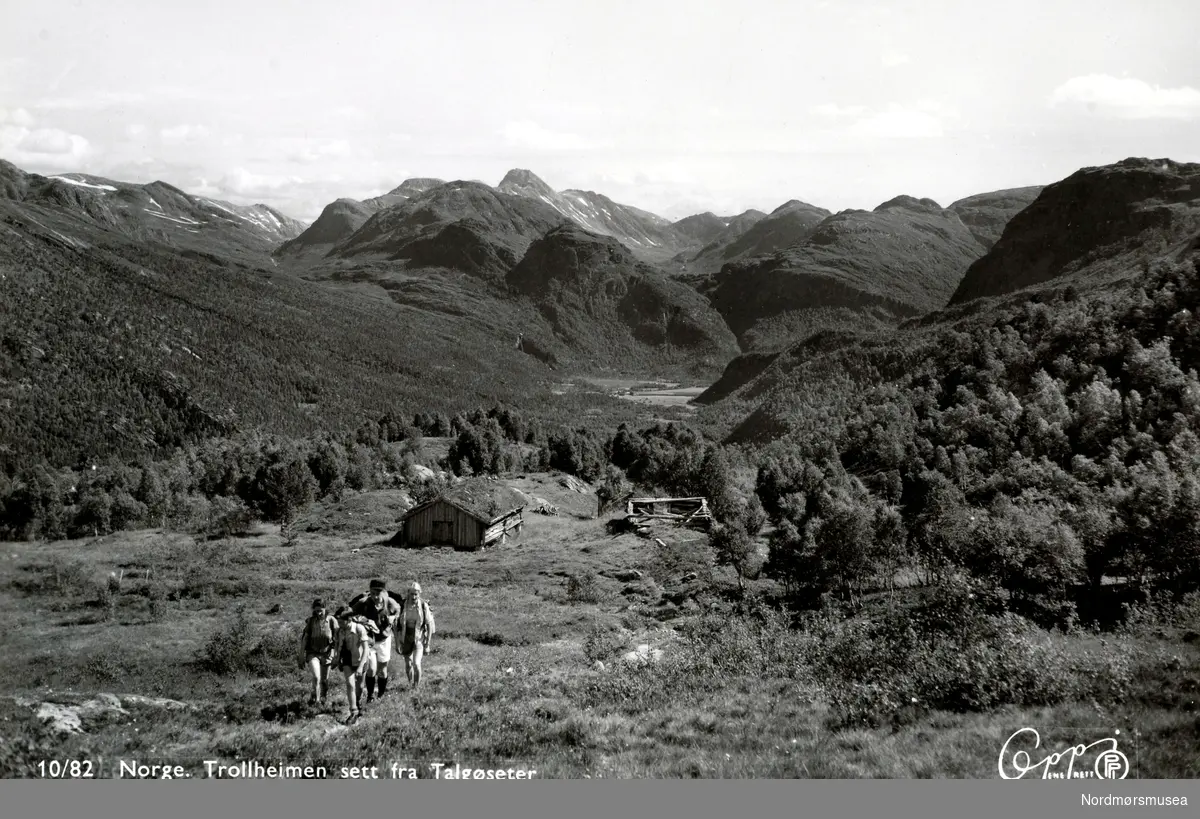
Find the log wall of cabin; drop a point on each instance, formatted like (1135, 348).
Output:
(418, 529)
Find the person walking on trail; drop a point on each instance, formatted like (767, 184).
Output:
(416, 632)
(382, 612)
(353, 649)
(316, 649)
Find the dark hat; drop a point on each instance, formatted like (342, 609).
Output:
(341, 612)
(318, 604)
(378, 584)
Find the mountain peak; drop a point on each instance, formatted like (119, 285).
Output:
(416, 185)
(794, 204)
(1145, 164)
(703, 227)
(521, 181)
(910, 203)
(167, 187)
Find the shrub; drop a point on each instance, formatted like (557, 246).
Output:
(1162, 612)
(602, 643)
(732, 547)
(275, 653)
(27, 741)
(283, 486)
(157, 597)
(230, 645)
(107, 595)
(583, 588)
(104, 668)
(190, 513)
(228, 517)
(711, 652)
(95, 514)
(70, 577)
(953, 656)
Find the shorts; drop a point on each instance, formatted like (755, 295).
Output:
(382, 649)
(322, 656)
(410, 642)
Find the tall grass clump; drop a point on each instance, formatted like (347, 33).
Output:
(584, 588)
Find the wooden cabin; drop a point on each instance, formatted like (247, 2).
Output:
(472, 515)
(691, 512)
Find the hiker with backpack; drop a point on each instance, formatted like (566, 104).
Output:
(316, 649)
(416, 632)
(353, 650)
(381, 611)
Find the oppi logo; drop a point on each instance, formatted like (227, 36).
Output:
(1023, 754)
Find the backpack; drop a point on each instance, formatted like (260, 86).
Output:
(346, 660)
(377, 621)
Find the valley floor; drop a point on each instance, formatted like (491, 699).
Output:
(164, 673)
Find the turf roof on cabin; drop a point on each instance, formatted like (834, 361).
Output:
(485, 499)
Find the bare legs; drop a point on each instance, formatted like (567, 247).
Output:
(318, 669)
(412, 664)
(352, 692)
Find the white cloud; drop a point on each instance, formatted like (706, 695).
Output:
(893, 58)
(900, 123)
(17, 116)
(93, 100)
(311, 150)
(922, 119)
(832, 110)
(348, 112)
(525, 134)
(937, 109)
(242, 182)
(203, 187)
(51, 141)
(39, 148)
(1127, 98)
(184, 133)
(135, 130)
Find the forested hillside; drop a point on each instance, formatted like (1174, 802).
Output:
(1041, 445)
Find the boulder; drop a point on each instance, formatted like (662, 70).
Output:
(67, 718)
(422, 472)
(622, 575)
(642, 655)
(573, 483)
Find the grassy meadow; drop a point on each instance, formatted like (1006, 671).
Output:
(197, 640)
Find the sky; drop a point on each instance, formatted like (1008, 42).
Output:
(674, 106)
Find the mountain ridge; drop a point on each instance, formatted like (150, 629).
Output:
(156, 211)
(1089, 225)
(748, 235)
(602, 300)
(901, 259)
(648, 235)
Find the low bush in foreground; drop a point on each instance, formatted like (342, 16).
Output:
(954, 654)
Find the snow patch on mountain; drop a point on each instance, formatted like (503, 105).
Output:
(83, 184)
